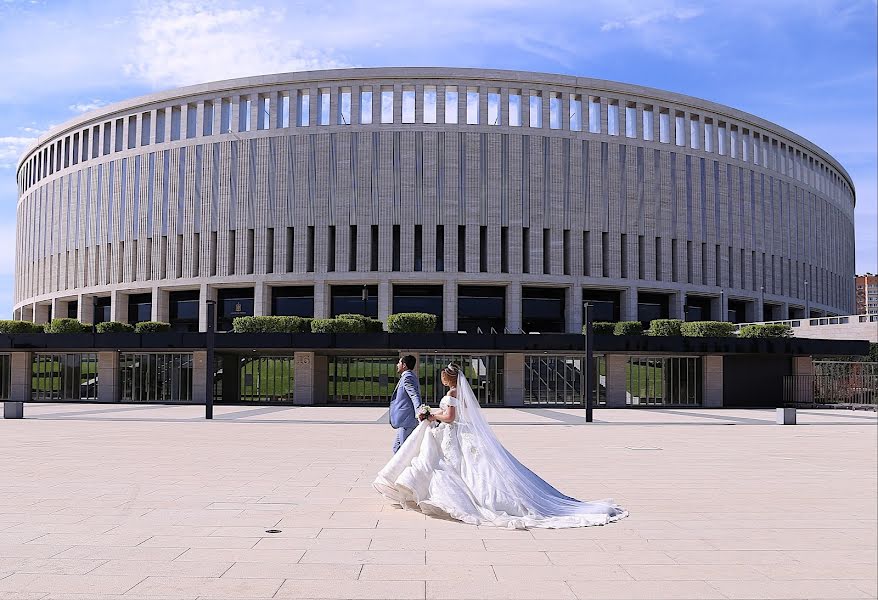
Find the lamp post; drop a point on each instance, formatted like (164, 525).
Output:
(762, 302)
(722, 306)
(589, 365)
(209, 359)
(807, 300)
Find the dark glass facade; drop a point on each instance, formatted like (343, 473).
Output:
(419, 298)
(294, 301)
(605, 305)
(542, 309)
(355, 299)
(231, 303)
(481, 308)
(652, 306)
(183, 310)
(139, 308)
(698, 308)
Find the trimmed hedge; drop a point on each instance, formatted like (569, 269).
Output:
(769, 330)
(67, 326)
(708, 329)
(628, 328)
(114, 327)
(414, 322)
(268, 324)
(151, 327)
(601, 328)
(369, 324)
(9, 327)
(665, 327)
(337, 326)
(873, 353)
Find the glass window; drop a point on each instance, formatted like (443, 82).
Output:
(536, 109)
(745, 147)
(387, 105)
(493, 107)
(344, 107)
(665, 127)
(303, 109)
(365, 106)
(721, 139)
(323, 107)
(263, 116)
(244, 113)
(408, 104)
(648, 123)
(733, 142)
(594, 114)
(429, 104)
(225, 116)
(680, 129)
(207, 127)
(515, 108)
(554, 110)
(145, 130)
(472, 106)
(613, 118)
(575, 112)
(708, 135)
(631, 121)
(694, 133)
(451, 101)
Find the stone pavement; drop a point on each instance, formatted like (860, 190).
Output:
(137, 502)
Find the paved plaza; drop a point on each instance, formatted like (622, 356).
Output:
(137, 502)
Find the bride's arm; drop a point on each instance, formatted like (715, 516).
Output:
(446, 416)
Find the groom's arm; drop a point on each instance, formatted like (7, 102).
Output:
(409, 387)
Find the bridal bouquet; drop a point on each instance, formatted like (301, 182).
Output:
(423, 412)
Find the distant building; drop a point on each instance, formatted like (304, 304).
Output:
(867, 294)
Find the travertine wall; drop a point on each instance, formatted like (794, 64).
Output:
(178, 190)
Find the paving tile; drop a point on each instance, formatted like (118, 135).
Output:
(643, 557)
(511, 573)
(352, 590)
(271, 570)
(690, 572)
(239, 555)
(173, 541)
(84, 584)
(451, 557)
(409, 572)
(379, 557)
(174, 568)
(498, 590)
(207, 586)
(791, 590)
(107, 553)
(645, 590)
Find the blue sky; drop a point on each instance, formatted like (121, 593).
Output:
(808, 66)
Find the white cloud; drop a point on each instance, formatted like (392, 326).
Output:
(11, 149)
(644, 19)
(81, 107)
(181, 43)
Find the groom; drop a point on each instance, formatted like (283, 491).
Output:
(405, 401)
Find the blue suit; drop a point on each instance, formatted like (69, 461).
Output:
(403, 407)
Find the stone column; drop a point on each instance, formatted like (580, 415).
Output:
(629, 304)
(160, 305)
(261, 299)
(513, 379)
(385, 304)
(118, 306)
(41, 313)
(574, 309)
(19, 386)
(678, 306)
(199, 376)
(85, 309)
(513, 307)
(712, 372)
(108, 377)
(322, 300)
(207, 292)
(449, 306)
(617, 380)
(304, 376)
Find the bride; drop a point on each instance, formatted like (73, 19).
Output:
(459, 469)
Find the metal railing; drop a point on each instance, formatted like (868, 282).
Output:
(664, 381)
(362, 379)
(842, 384)
(64, 377)
(155, 377)
(483, 371)
(268, 379)
(554, 380)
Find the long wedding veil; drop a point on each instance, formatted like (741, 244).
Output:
(519, 481)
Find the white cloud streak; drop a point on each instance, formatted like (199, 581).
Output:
(11, 149)
(82, 107)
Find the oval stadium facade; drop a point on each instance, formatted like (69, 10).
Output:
(499, 200)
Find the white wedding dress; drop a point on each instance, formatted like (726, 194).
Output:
(460, 470)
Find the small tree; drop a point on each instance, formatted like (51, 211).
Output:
(665, 327)
(769, 330)
(67, 326)
(708, 329)
(337, 326)
(114, 327)
(151, 327)
(412, 323)
(601, 328)
(628, 328)
(9, 327)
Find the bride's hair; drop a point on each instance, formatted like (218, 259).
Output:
(452, 370)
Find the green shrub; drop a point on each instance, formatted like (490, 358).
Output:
(268, 324)
(601, 328)
(413, 322)
(9, 327)
(151, 327)
(114, 327)
(770, 330)
(665, 327)
(369, 324)
(708, 329)
(67, 326)
(337, 326)
(628, 328)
